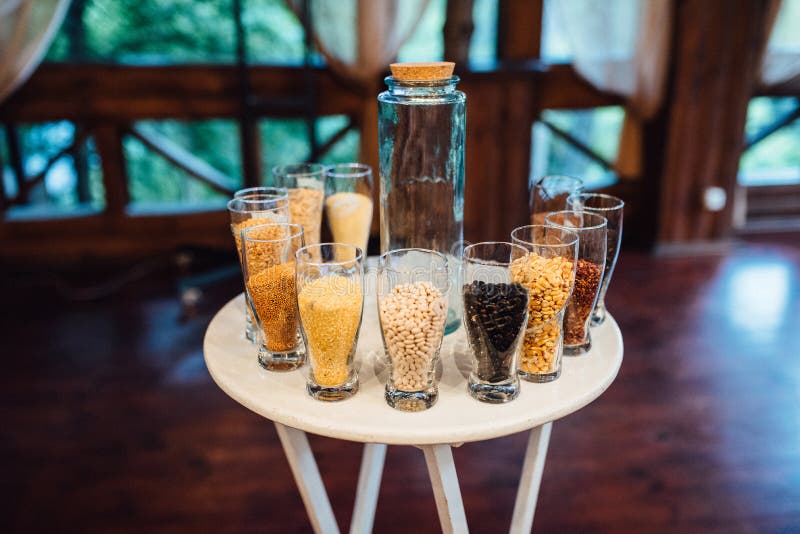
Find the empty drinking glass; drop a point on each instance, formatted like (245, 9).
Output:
(495, 315)
(262, 190)
(330, 297)
(548, 272)
(591, 230)
(251, 207)
(550, 193)
(306, 185)
(268, 257)
(412, 307)
(612, 209)
(348, 189)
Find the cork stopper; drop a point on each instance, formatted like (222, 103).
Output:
(435, 70)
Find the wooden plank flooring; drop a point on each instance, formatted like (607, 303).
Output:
(110, 422)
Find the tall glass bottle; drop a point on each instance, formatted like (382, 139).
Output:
(421, 128)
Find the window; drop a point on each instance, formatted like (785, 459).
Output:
(427, 41)
(596, 129)
(774, 159)
(64, 176)
(176, 31)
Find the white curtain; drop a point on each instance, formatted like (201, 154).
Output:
(27, 28)
(782, 58)
(622, 46)
(359, 38)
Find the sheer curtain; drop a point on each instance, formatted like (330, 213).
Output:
(26, 29)
(782, 57)
(622, 46)
(359, 38)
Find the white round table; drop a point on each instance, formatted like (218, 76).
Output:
(456, 418)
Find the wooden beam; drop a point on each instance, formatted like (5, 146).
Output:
(70, 239)
(126, 93)
(191, 92)
(715, 73)
(183, 159)
(519, 31)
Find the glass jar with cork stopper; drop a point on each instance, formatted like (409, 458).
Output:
(421, 128)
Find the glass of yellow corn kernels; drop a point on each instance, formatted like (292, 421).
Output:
(548, 273)
(330, 299)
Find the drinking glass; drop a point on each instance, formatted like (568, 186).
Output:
(548, 272)
(495, 314)
(268, 258)
(412, 307)
(248, 208)
(348, 189)
(550, 193)
(591, 230)
(306, 185)
(330, 297)
(612, 209)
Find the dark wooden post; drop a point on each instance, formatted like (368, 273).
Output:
(506, 182)
(15, 159)
(519, 32)
(716, 62)
(3, 195)
(458, 28)
(108, 139)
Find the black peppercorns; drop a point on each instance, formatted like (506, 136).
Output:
(494, 315)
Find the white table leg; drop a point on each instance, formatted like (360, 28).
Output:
(530, 480)
(369, 485)
(444, 480)
(309, 482)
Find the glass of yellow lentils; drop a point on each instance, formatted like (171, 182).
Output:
(330, 299)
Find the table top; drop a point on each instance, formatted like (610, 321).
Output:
(455, 418)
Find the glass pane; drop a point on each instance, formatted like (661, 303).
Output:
(71, 184)
(152, 178)
(483, 46)
(286, 141)
(776, 159)
(274, 34)
(346, 149)
(282, 141)
(146, 32)
(427, 42)
(555, 44)
(597, 128)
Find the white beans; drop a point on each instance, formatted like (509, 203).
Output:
(412, 321)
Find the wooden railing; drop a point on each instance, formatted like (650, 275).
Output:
(106, 102)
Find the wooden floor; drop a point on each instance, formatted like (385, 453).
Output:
(110, 422)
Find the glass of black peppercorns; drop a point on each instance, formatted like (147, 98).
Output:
(495, 314)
